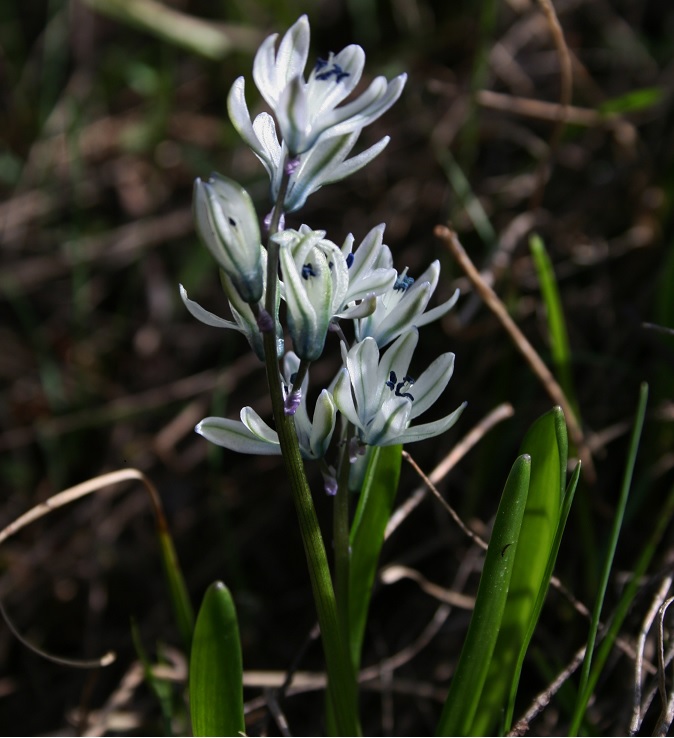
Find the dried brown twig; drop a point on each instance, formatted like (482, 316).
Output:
(537, 364)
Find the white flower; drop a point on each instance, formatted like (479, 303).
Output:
(227, 223)
(251, 435)
(317, 133)
(323, 164)
(402, 306)
(370, 273)
(379, 397)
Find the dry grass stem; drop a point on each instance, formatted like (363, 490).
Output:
(537, 364)
(658, 599)
(498, 414)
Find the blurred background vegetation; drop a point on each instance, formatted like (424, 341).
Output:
(108, 111)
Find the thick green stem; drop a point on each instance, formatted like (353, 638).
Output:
(341, 682)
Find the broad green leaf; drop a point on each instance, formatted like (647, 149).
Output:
(546, 444)
(552, 559)
(466, 687)
(367, 537)
(216, 671)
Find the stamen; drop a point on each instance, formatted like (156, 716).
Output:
(403, 283)
(349, 260)
(392, 379)
(339, 73)
(308, 271)
(405, 384)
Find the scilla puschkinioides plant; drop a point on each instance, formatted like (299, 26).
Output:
(373, 401)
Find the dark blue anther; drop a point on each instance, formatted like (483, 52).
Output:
(339, 73)
(308, 271)
(320, 63)
(392, 379)
(407, 382)
(349, 260)
(403, 283)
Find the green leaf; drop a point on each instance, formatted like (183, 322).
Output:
(216, 672)
(466, 688)
(367, 536)
(566, 509)
(546, 443)
(588, 678)
(558, 336)
(633, 101)
(180, 599)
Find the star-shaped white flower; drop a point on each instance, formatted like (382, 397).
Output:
(379, 397)
(316, 132)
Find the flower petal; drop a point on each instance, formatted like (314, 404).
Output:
(204, 316)
(428, 430)
(405, 315)
(343, 397)
(234, 435)
(323, 426)
(273, 70)
(361, 363)
(431, 384)
(257, 426)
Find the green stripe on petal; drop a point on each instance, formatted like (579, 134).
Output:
(258, 427)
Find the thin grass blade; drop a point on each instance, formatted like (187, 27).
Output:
(180, 599)
(586, 686)
(466, 687)
(559, 337)
(216, 671)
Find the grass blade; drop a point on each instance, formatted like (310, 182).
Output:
(216, 671)
(465, 690)
(180, 599)
(559, 338)
(586, 684)
(367, 537)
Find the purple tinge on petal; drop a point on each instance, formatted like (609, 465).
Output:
(291, 165)
(292, 402)
(356, 449)
(264, 321)
(267, 221)
(330, 482)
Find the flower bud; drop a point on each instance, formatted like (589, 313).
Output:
(227, 223)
